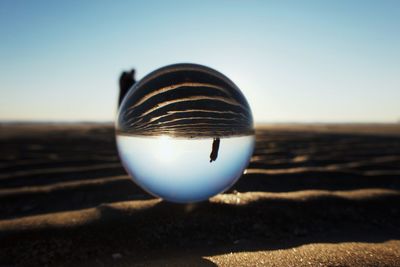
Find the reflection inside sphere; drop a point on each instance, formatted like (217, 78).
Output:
(185, 133)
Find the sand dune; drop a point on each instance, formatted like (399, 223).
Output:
(319, 196)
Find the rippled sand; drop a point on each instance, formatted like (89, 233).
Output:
(318, 195)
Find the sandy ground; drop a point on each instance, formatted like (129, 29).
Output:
(319, 195)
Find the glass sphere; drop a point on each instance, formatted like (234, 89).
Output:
(185, 133)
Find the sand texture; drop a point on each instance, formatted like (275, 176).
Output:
(313, 195)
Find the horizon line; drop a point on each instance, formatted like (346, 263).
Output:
(255, 123)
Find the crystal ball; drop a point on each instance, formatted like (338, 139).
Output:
(185, 133)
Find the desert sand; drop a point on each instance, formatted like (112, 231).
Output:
(313, 195)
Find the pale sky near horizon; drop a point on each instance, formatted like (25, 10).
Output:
(295, 61)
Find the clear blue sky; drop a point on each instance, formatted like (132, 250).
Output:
(295, 61)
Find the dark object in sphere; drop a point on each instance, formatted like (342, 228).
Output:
(215, 148)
